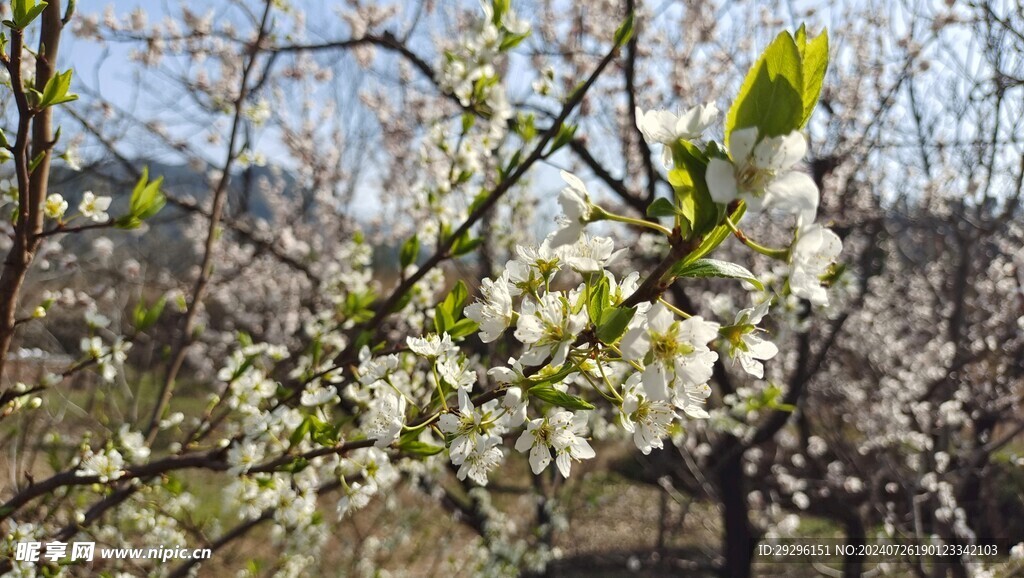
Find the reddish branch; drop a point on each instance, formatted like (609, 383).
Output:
(31, 185)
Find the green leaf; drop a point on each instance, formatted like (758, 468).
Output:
(625, 31)
(464, 244)
(500, 8)
(598, 300)
(410, 251)
(147, 199)
(462, 328)
(715, 237)
(56, 90)
(566, 132)
(689, 181)
(511, 41)
(323, 433)
(559, 398)
(24, 12)
(36, 160)
(456, 298)
(814, 55)
(703, 268)
(443, 319)
(146, 317)
(771, 97)
(300, 432)
(661, 207)
(418, 448)
(615, 320)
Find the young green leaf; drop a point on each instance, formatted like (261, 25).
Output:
(598, 300)
(465, 244)
(661, 207)
(559, 398)
(146, 317)
(624, 31)
(688, 180)
(771, 97)
(615, 320)
(565, 134)
(462, 328)
(56, 90)
(418, 448)
(703, 268)
(713, 239)
(410, 251)
(814, 55)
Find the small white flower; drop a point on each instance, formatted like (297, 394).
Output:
(576, 211)
(590, 254)
(105, 464)
(72, 158)
(431, 346)
(515, 408)
(93, 347)
(55, 206)
(647, 420)
(664, 127)
(470, 428)
(357, 496)
(93, 207)
(531, 268)
(481, 461)
(548, 328)
(95, 319)
(762, 174)
(243, 456)
(562, 432)
(1017, 552)
(386, 419)
(457, 374)
(816, 249)
(676, 355)
(133, 443)
(315, 393)
(494, 312)
(745, 345)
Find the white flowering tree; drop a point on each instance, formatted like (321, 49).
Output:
(692, 298)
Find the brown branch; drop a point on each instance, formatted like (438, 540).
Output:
(206, 267)
(444, 246)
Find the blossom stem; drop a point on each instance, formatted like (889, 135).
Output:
(600, 214)
(674, 309)
(611, 387)
(780, 254)
(420, 426)
(440, 392)
(635, 365)
(401, 393)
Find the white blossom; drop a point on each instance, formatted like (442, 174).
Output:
(105, 464)
(494, 312)
(432, 346)
(762, 174)
(94, 207)
(548, 327)
(816, 249)
(55, 206)
(576, 211)
(562, 432)
(744, 343)
(646, 419)
(678, 362)
(386, 419)
(590, 254)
